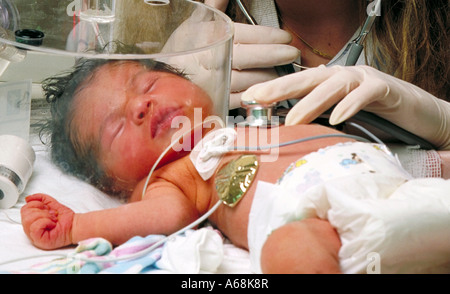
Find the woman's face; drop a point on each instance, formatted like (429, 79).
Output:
(127, 111)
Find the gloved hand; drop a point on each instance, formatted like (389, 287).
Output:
(359, 88)
(218, 4)
(256, 50)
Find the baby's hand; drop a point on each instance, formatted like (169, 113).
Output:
(46, 222)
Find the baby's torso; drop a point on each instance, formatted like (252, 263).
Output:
(272, 163)
(233, 221)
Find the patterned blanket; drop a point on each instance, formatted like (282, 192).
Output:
(195, 251)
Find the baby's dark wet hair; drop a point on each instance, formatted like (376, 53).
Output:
(70, 155)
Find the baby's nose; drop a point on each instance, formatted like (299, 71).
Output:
(139, 109)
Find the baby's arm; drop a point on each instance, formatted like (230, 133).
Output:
(163, 210)
(309, 246)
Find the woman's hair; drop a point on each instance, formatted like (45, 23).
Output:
(410, 41)
(67, 152)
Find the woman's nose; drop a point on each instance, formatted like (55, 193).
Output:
(139, 108)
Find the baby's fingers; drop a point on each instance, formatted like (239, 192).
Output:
(33, 212)
(40, 198)
(41, 233)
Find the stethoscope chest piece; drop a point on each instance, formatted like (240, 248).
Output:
(260, 115)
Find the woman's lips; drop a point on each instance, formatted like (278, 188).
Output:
(162, 119)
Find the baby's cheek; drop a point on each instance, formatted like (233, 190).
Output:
(135, 169)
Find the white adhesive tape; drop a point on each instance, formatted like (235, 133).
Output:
(207, 153)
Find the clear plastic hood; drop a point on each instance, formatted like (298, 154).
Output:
(43, 38)
(116, 27)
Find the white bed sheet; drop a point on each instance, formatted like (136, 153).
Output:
(81, 197)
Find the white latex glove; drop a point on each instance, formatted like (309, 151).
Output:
(256, 50)
(218, 4)
(359, 88)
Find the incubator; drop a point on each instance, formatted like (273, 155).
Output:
(43, 39)
(188, 35)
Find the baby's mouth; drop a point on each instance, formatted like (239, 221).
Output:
(162, 119)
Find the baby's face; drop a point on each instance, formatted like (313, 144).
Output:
(127, 112)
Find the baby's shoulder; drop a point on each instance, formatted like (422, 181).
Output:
(175, 168)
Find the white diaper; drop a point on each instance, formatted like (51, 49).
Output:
(387, 222)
